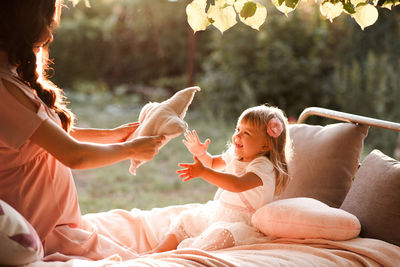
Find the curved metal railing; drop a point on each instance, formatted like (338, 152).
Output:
(348, 117)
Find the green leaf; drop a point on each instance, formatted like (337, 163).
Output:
(75, 2)
(223, 17)
(248, 10)
(291, 3)
(196, 16)
(209, 3)
(365, 15)
(349, 8)
(283, 7)
(331, 11)
(257, 19)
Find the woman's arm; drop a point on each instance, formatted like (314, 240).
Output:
(83, 155)
(104, 136)
(223, 180)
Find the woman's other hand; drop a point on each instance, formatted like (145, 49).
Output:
(194, 145)
(145, 147)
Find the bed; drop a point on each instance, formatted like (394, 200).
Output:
(350, 211)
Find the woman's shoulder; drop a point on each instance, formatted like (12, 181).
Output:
(10, 87)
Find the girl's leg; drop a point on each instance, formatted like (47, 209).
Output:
(213, 238)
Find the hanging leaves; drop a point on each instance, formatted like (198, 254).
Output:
(365, 15)
(75, 2)
(251, 13)
(196, 14)
(223, 14)
(331, 11)
(248, 9)
(285, 6)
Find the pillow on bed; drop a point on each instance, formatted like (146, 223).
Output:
(165, 118)
(374, 198)
(19, 242)
(325, 159)
(305, 218)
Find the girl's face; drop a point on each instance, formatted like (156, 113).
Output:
(249, 141)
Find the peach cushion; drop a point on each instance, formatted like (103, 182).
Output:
(374, 197)
(19, 242)
(305, 218)
(325, 161)
(165, 118)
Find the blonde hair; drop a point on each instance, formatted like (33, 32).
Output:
(280, 152)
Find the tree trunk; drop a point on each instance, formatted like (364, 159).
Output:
(191, 58)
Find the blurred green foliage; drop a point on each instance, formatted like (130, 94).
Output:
(122, 42)
(143, 47)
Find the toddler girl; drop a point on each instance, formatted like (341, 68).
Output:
(255, 169)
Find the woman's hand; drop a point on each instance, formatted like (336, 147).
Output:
(104, 136)
(86, 155)
(194, 145)
(192, 170)
(145, 147)
(121, 133)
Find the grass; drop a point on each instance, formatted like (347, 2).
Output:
(156, 184)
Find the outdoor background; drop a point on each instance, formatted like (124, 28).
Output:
(116, 56)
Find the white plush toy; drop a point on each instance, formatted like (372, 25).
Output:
(165, 118)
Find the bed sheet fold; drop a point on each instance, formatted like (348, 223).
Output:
(150, 226)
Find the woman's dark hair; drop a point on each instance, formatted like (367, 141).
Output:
(22, 24)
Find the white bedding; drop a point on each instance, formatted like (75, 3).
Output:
(279, 252)
(266, 252)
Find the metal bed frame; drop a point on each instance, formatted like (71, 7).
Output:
(347, 117)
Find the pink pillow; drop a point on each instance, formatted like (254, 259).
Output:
(19, 242)
(305, 218)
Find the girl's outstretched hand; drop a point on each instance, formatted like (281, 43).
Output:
(194, 145)
(191, 170)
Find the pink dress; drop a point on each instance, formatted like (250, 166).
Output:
(42, 189)
(32, 180)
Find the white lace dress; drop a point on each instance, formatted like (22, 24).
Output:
(226, 220)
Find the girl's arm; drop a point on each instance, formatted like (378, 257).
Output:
(104, 136)
(199, 150)
(223, 180)
(214, 162)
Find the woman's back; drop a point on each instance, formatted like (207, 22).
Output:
(31, 179)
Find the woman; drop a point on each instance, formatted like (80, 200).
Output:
(39, 143)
